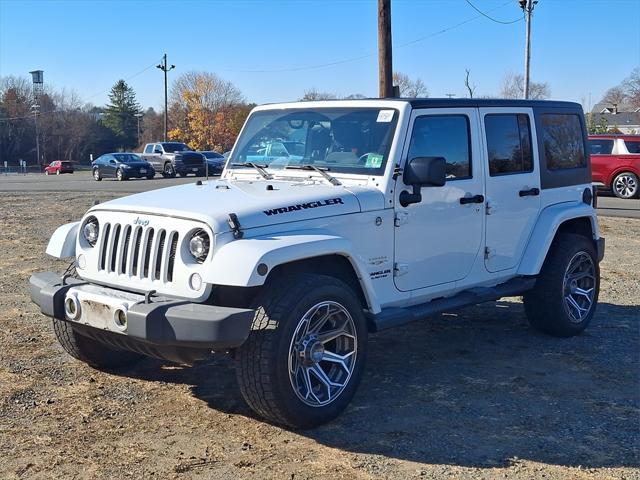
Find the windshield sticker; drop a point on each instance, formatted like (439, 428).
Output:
(385, 116)
(303, 206)
(374, 160)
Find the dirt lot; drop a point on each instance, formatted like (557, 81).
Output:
(476, 394)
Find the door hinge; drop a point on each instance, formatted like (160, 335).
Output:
(400, 269)
(489, 252)
(401, 218)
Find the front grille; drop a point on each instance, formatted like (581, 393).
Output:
(194, 160)
(143, 252)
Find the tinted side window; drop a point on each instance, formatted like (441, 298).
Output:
(148, 149)
(562, 141)
(509, 143)
(443, 136)
(600, 146)
(633, 146)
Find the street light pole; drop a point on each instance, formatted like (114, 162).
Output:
(37, 77)
(163, 66)
(527, 7)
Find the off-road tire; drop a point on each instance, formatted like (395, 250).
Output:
(96, 175)
(262, 361)
(545, 303)
(90, 351)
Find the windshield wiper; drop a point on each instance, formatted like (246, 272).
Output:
(260, 168)
(321, 171)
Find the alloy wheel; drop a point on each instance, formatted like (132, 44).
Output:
(579, 287)
(322, 353)
(626, 185)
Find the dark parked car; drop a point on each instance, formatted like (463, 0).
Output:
(122, 166)
(58, 167)
(215, 161)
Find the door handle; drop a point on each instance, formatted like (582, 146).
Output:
(473, 199)
(532, 192)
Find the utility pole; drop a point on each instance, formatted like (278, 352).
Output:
(527, 7)
(385, 64)
(163, 66)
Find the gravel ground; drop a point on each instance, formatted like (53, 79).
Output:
(476, 394)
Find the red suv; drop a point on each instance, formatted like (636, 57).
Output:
(615, 163)
(58, 167)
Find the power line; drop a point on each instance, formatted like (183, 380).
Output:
(491, 18)
(369, 55)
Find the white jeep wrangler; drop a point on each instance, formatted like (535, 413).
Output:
(392, 211)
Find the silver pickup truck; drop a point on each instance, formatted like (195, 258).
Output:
(171, 158)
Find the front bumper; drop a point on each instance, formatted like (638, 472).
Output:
(163, 321)
(186, 169)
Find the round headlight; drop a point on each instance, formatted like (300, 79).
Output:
(90, 230)
(199, 245)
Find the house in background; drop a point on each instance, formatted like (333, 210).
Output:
(617, 118)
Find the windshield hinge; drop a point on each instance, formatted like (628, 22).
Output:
(234, 223)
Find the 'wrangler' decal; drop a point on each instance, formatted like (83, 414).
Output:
(304, 206)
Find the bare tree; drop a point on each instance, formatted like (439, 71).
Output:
(313, 94)
(631, 86)
(615, 96)
(513, 87)
(470, 88)
(409, 88)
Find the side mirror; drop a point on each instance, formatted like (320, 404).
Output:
(112, 161)
(157, 150)
(422, 172)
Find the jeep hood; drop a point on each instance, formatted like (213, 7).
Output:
(255, 203)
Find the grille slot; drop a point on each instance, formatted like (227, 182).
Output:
(113, 247)
(147, 253)
(172, 256)
(159, 254)
(125, 249)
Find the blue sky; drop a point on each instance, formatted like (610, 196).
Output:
(580, 47)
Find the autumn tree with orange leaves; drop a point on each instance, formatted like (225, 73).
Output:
(207, 112)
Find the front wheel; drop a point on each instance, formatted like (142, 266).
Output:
(168, 171)
(120, 175)
(305, 355)
(46, 172)
(565, 296)
(91, 351)
(96, 175)
(625, 185)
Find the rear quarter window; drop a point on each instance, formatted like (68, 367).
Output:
(600, 146)
(562, 141)
(633, 146)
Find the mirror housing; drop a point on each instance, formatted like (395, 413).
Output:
(422, 172)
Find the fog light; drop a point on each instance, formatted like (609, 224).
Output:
(82, 262)
(120, 318)
(72, 308)
(195, 281)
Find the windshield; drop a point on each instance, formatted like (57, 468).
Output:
(127, 157)
(349, 140)
(175, 147)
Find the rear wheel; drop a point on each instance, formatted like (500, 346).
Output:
(91, 351)
(57, 172)
(305, 355)
(625, 185)
(564, 299)
(96, 175)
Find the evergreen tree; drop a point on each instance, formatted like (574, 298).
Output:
(119, 115)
